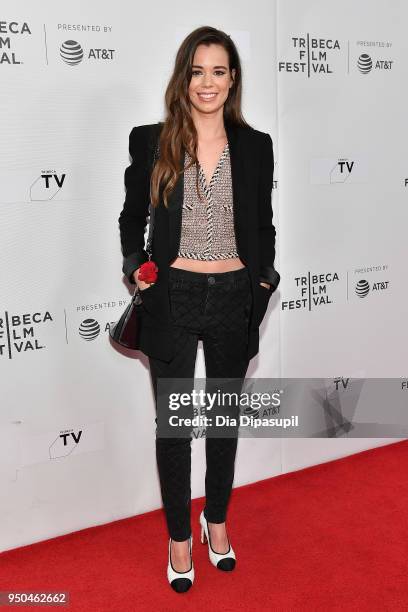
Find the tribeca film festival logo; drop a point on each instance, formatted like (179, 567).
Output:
(317, 289)
(19, 332)
(10, 30)
(71, 52)
(313, 290)
(312, 55)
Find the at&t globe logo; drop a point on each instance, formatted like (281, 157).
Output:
(89, 329)
(71, 52)
(362, 288)
(365, 63)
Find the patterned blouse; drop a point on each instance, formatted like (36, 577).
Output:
(207, 231)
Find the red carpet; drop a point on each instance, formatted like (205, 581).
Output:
(328, 537)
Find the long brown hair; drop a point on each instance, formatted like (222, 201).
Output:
(178, 130)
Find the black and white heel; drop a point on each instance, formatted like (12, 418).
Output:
(181, 581)
(224, 561)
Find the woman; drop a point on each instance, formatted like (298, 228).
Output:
(214, 246)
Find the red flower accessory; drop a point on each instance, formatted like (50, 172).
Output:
(148, 272)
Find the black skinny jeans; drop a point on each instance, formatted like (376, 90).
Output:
(213, 308)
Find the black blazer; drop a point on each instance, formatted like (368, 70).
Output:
(252, 165)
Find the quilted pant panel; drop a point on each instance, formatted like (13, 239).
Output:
(217, 314)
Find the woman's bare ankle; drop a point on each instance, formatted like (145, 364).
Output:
(180, 555)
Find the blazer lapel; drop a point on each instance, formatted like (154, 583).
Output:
(175, 200)
(238, 175)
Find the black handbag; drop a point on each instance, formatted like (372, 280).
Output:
(126, 331)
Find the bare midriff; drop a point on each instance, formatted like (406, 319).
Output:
(196, 265)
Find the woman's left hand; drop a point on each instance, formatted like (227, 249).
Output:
(267, 285)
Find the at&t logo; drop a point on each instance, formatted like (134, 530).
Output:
(72, 53)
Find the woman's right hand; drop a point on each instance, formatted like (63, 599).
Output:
(141, 284)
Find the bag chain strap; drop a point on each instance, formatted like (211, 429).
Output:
(151, 208)
(136, 295)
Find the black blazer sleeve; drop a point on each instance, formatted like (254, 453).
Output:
(268, 274)
(133, 217)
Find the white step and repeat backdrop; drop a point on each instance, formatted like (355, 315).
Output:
(327, 81)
